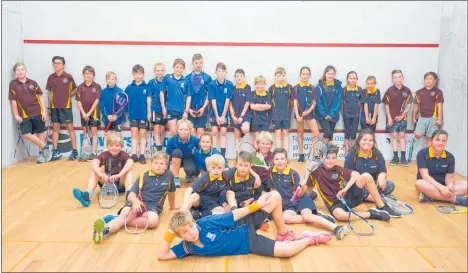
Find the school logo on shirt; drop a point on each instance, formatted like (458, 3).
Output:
(405, 94)
(202, 81)
(94, 90)
(433, 94)
(211, 236)
(335, 176)
(31, 86)
(65, 80)
(225, 90)
(144, 91)
(182, 85)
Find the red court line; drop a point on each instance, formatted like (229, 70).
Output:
(227, 44)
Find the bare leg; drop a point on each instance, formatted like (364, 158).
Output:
(34, 139)
(395, 142)
(157, 135)
(291, 217)
(200, 131)
(285, 134)
(223, 133)
(300, 136)
(245, 127)
(346, 145)
(175, 165)
(71, 134)
(402, 138)
(128, 180)
(278, 138)
(214, 134)
(142, 134)
(172, 127)
(94, 133)
(431, 191)
(153, 220)
(134, 141)
(290, 248)
(55, 134)
(274, 208)
(342, 215)
(461, 187)
(314, 219)
(314, 128)
(237, 136)
(231, 199)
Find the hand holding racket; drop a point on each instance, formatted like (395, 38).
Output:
(361, 226)
(296, 194)
(138, 214)
(109, 195)
(119, 102)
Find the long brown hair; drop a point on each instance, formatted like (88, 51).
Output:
(328, 68)
(364, 132)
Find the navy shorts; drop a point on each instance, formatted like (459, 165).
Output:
(258, 244)
(199, 122)
(281, 124)
(354, 197)
(157, 118)
(33, 125)
(139, 123)
(214, 123)
(350, 127)
(114, 127)
(397, 127)
(259, 127)
(206, 204)
(174, 115)
(244, 120)
(305, 202)
(62, 115)
(91, 122)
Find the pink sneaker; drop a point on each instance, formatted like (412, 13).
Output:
(317, 237)
(288, 236)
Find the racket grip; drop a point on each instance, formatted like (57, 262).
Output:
(108, 126)
(296, 194)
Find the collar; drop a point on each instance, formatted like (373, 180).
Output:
(91, 84)
(278, 86)
(142, 83)
(432, 89)
(218, 83)
(151, 173)
(349, 88)
(55, 74)
(26, 81)
(301, 84)
(174, 77)
(207, 153)
(359, 154)
(402, 87)
(220, 178)
(262, 93)
(371, 91)
(286, 171)
(241, 86)
(329, 83)
(237, 179)
(156, 80)
(442, 155)
(180, 140)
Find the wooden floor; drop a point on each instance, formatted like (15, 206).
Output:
(45, 229)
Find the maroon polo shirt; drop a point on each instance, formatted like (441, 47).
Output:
(329, 182)
(427, 101)
(87, 95)
(60, 88)
(263, 172)
(117, 163)
(27, 97)
(395, 98)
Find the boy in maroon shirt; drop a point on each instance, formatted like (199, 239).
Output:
(61, 88)
(29, 110)
(87, 99)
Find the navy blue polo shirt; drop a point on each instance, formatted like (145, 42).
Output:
(155, 188)
(374, 164)
(219, 235)
(351, 101)
(240, 96)
(155, 87)
(188, 147)
(199, 156)
(137, 104)
(220, 92)
(198, 88)
(285, 183)
(281, 100)
(371, 97)
(437, 167)
(261, 117)
(177, 92)
(244, 189)
(305, 94)
(211, 187)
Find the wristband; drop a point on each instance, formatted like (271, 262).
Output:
(169, 237)
(253, 207)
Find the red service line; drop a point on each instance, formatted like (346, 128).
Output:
(244, 44)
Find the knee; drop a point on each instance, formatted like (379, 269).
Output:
(190, 171)
(245, 128)
(223, 133)
(214, 132)
(275, 196)
(420, 184)
(418, 135)
(177, 153)
(195, 198)
(340, 215)
(56, 127)
(230, 194)
(367, 177)
(154, 222)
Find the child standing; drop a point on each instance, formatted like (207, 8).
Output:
(394, 98)
(281, 97)
(220, 94)
(198, 88)
(177, 103)
(155, 90)
(305, 100)
(350, 110)
(106, 105)
(28, 107)
(429, 100)
(87, 99)
(240, 106)
(329, 103)
(138, 113)
(61, 88)
(370, 100)
(260, 106)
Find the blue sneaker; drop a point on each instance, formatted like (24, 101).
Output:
(424, 198)
(461, 200)
(177, 182)
(73, 155)
(108, 217)
(98, 228)
(81, 196)
(56, 155)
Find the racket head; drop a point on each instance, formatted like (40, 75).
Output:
(451, 209)
(360, 226)
(257, 159)
(108, 196)
(316, 155)
(119, 102)
(398, 205)
(143, 220)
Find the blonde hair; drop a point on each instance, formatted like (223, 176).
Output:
(18, 64)
(115, 138)
(259, 78)
(186, 122)
(180, 218)
(159, 64)
(280, 70)
(264, 136)
(215, 160)
(110, 74)
(159, 155)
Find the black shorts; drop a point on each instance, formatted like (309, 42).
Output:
(259, 127)
(207, 204)
(350, 127)
(117, 183)
(214, 123)
(158, 210)
(157, 118)
(139, 123)
(281, 124)
(258, 244)
(354, 197)
(91, 122)
(305, 202)
(174, 115)
(61, 115)
(199, 122)
(115, 127)
(33, 125)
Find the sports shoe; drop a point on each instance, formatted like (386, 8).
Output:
(108, 217)
(380, 215)
(393, 213)
(424, 198)
(301, 158)
(340, 232)
(196, 214)
(177, 182)
(56, 155)
(403, 162)
(317, 238)
(73, 155)
(461, 200)
(47, 152)
(288, 236)
(142, 159)
(93, 156)
(134, 158)
(326, 216)
(98, 228)
(40, 158)
(81, 196)
(188, 179)
(394, 161)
